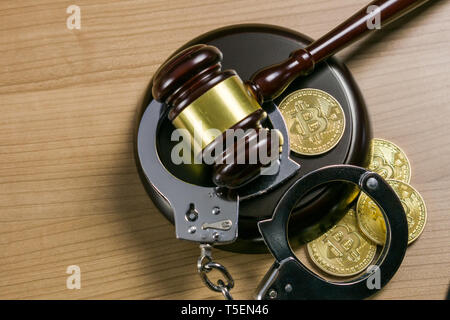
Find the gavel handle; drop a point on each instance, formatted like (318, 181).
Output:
(268, 83)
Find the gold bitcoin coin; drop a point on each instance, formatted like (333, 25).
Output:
(389, 161)
(314, 119)
(342, 251)
(371, 221)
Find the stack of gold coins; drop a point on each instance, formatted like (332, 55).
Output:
(350, 246)
(316, 123)
(391, 163)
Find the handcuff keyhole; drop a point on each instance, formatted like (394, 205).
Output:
(192, 213)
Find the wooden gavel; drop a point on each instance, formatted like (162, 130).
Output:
(197, 91)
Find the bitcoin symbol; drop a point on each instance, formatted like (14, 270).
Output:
(382, 167)
(409, 216)
(342, 244)
(389, 161)
(377, 216)
(308, 121)
(342, 250)
(315, 121)
(407, 205)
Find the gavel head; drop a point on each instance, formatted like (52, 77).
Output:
(221, 115)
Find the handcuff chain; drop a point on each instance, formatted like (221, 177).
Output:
(205, 264)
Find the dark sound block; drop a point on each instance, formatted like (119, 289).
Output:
(247, 48)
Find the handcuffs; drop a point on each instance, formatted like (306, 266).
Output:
(288, 278)
(191, 82)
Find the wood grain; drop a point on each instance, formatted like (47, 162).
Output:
(69, 190)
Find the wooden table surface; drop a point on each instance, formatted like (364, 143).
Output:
(69, 190)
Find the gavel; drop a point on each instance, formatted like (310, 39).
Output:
(197, 91)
